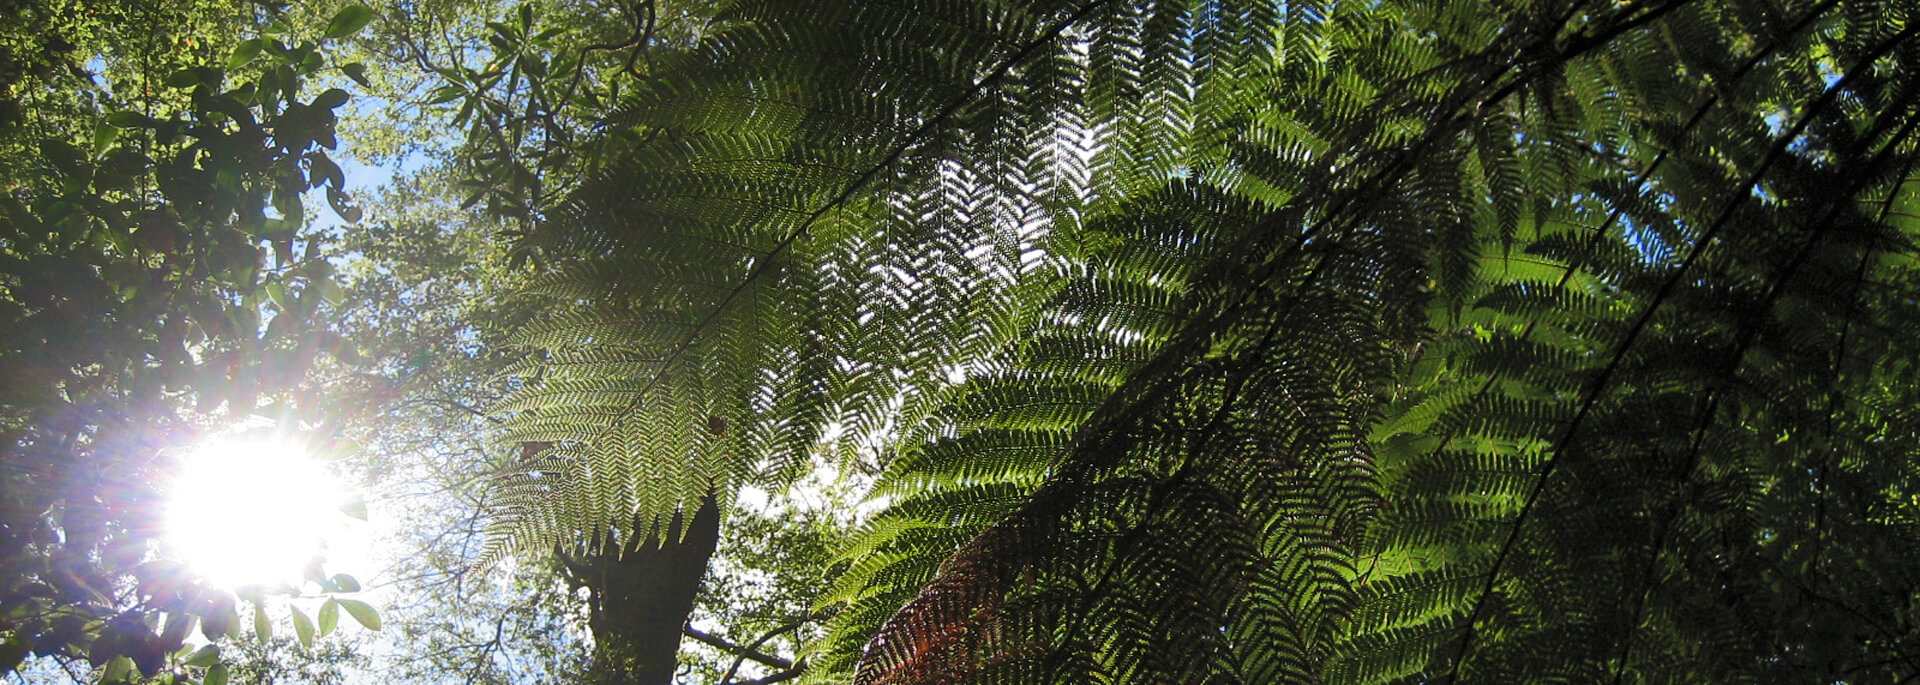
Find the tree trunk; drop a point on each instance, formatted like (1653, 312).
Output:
(640, 599)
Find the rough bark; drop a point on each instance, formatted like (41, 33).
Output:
(641, 598)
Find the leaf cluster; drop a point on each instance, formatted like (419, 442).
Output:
(157, 266)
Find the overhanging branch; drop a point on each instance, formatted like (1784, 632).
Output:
(736, 650)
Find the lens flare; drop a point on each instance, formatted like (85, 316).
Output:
(252, 511)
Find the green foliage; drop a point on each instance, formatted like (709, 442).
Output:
(424, 282)
(157, 269)
(283, 660)
(1250, 342)
(774, 566)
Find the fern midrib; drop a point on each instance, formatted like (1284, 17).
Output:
(766, 263)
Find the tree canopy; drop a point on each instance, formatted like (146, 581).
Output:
(957, 341)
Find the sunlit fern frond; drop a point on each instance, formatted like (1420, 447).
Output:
(1207, 341)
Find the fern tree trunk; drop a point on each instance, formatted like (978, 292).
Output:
(641, 598)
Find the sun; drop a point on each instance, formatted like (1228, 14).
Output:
(252, 511)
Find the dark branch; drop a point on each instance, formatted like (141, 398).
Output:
(755, 645)
(731, 648)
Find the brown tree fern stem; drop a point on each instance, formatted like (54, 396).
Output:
(642, 594)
